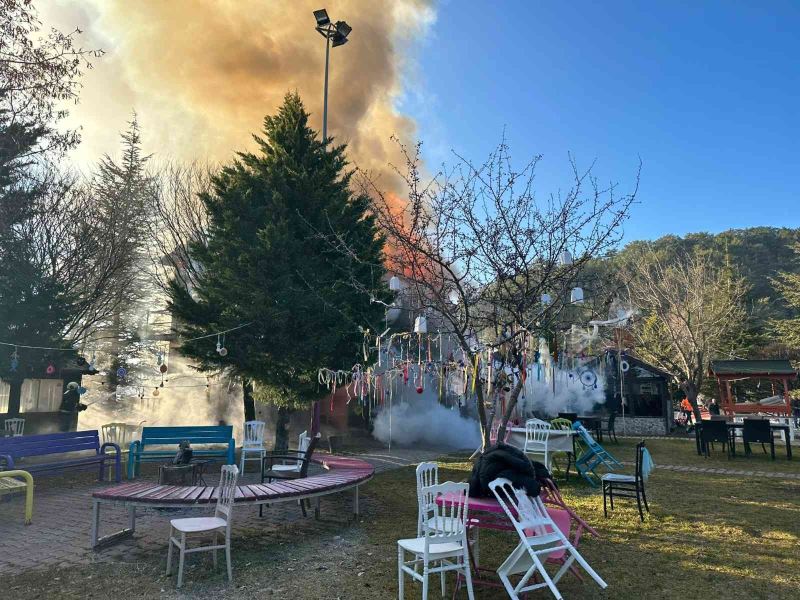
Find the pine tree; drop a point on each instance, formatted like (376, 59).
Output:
(268, 261)
(788, 284)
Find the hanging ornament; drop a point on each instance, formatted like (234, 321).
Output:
(14, 360)
(160, 358)
(156, 392)
(453, 297)
(588, 378)
(624, 366)
(546, 299)
(564, 258)
(394, 283)
(81, 390)
(576, 297)
(121, 372)
(221, 349)
(51, 368)
(163, 368)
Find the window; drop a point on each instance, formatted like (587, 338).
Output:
(647, 388)
(5, 392)
(41, 395)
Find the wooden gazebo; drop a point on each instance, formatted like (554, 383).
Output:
(776, 371)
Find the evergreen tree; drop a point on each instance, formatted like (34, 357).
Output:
(267, 261)
(788, 284)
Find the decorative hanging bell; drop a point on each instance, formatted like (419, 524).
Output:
(576, 297)
(394, 283)
(564, 258)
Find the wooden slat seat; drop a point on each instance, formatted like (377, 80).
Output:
(344, 473)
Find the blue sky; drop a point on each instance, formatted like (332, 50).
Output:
(706, 93)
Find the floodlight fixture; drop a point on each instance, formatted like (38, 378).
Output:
(322, 18)
(335, 35)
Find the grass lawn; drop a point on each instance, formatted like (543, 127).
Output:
(708, 535)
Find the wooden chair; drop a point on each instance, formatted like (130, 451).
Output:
(627, 486)
(205, 525)
(273, 463)
(611, 431)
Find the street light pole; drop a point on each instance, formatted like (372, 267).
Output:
(325, 96)
(335, 34)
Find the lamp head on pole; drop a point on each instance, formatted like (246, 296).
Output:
(322, 18)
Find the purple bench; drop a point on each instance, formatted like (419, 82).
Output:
(344, 473)
(66, 446)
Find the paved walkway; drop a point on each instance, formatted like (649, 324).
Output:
(717, 471)
(59, 535)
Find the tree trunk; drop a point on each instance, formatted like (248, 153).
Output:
(282, 430)
(485, 431)
(691, 390)
(249, 402)
(510, 404)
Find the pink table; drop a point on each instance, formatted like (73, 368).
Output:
(486, 513)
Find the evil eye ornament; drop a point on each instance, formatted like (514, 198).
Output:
(121, 372)
(588, 378)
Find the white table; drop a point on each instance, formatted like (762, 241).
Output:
(560, 440)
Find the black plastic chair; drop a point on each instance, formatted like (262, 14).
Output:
(626, 486)
(268, 474)
(571, 417)
(715, 431)
(759, 432)
(610, 426)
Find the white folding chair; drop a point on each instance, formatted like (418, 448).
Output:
(253, 442)
(539, 535)
(440, 548)
(206, 525)
(537, 434)
(15, 426)
(303, 441)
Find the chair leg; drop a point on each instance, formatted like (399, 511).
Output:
(611, 494)
(181, 559)
(216, 542)
(772, 449)
(639, 504)
(169, 553)
(644, 497)
(605, 508)
(303, 507)
(241, 470)
(441, 579)
(764, 448)
(228, 556)
(400, 582)
(468, 575)
(426, 576)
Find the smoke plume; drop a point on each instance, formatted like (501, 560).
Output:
(202, 74)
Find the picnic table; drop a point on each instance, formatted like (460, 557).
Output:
(733, 426)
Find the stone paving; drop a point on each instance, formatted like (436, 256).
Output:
(59, 535)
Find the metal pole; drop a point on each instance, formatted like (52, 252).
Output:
(325, 97)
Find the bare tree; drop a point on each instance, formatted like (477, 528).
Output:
(479, 250)
(178, 219)
(691, 312)
(39, 74)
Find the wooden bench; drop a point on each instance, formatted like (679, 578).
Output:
(10, 485)
(93, 455)
(163, 444)
(344, 473)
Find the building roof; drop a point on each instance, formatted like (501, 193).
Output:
(752, 367)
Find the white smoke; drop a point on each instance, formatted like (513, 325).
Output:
(426, 421)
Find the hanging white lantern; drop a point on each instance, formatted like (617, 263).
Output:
(421, 324)
(576, 297)
(564, 258)
(394, 283)
(453, 297)
(546, 299)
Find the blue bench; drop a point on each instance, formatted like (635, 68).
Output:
(93, 455)
(159, 443)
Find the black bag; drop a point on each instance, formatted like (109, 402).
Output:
(509, 462)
